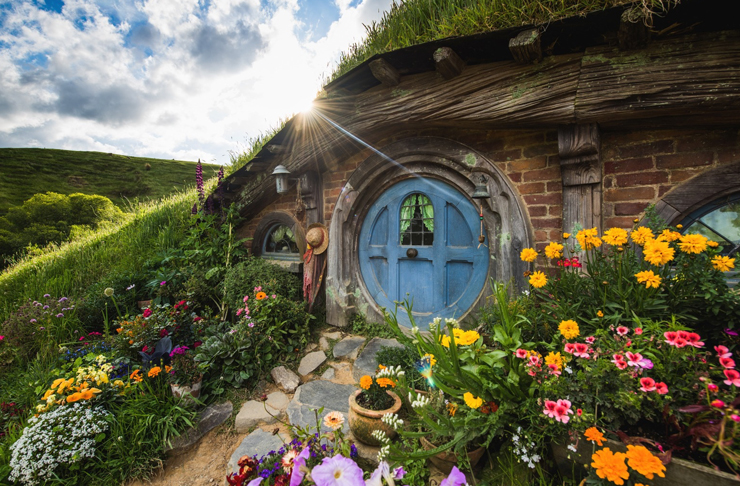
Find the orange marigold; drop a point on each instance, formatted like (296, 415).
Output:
(384, 382)
(366, 382)
(643, 461)
(136, 376)
(154, 371)
(594, 435)
(610, 465)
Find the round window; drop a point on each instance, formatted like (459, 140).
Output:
(280, 243)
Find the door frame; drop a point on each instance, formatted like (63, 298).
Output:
(505, 224)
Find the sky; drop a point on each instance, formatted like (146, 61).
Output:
(172, 79)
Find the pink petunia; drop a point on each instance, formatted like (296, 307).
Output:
(622, 330)
(694, 340)
(549, 409)
(723, 352)
(590, 339)
(570, 348)
(670, 337)
(620, 364)
(554, 370)
(727, 362)
(521, 353)
(581, 351)
(733, 377)
(246, 298)
(648, 384)
(638, 330)
(534, 360)
(661, 388)
(562, 409)
(636, 360)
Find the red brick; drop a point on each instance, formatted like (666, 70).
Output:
(607, 209)
(684, 160)
(727, 156)
(490, 145)
(629, 194)
(553, 186)
(619, 222)
(525, 140)
(681, 175)
(555, 210)
(642, 179)
(529, 164)
(643, 149)
(531, 188)
(537, 211)
(504, 155)
(628, 165)
(549, 174)
(707, 141)
(547, 222)
(544, 199)
(663, 189)
(628, 209)
(545, 149)
(556, 235)
(515, 176)
(337, 177)
(333, 193)
(610, 181)
(540, 235)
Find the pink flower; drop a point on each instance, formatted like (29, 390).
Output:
(554, 370)
(727, 362)
(239, 312)
(274, 296)
(197, 318)
(735, 417)
(534, 360)
(590, 339)
(648, 384)
(723, 352)
(661, 388)
(621, 364)
(718, 403)
(246, 298)
(638, 330)
(570, 348)
(549, 409)
(163, 283)
(713, 388)
(581, 351)
(733, 377)
(670, 337)
(146, 348)
(164, 333)
(147, 313)
(636, 360)
(258, 289)
(694, 340)
(579, 412)
(2, 337)
(622, 330)
(562, 409)
(521, 353)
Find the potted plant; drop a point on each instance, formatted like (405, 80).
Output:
(368, 405)
(185, 377)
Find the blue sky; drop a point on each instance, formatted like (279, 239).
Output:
(183, 79)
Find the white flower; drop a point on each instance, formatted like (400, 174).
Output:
(415, 330)
(572, 448)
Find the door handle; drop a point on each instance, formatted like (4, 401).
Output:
(411, 253)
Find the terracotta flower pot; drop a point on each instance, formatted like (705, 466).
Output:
(186, 392)
(363, 422)
(445, 461)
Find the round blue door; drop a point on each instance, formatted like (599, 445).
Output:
(420, 241)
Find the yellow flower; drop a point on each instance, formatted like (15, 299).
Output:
(554, 250)
(87, 394)
(118, 383)
(712, 244)
(154, 372)
(528, 255)
(569, 329)
(554, 359)
(471, 401)
(47, 394)
(366, 382)
(641, 460)
(648, 278)
(695, 243)
(587, 238)
(600, 314)
(444, 341)
(566, 236)
(58, 382)
(723, 263)
(668, 235)
(641, 235)
(679, 226)
(610, 466)
(451, 408)
(593, 434)
(658, 252)
(537, 280)
(615, 236)
(467, 338)
(432, 360)
(384, 382)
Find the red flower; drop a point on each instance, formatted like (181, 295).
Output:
(147, 313)
(727, 362)
(638, 330)
(196, 344)
(622, 330)
(723, 352)
(581, 351)
(164, 333)
(661, 388)
(733, 378)
(718, 403)
(694, 340)
(648, 384)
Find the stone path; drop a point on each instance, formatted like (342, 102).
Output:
(319, 383)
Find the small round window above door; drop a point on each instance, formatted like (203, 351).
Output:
(419, 241)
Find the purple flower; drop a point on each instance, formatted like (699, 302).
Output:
(199, 182)
(62, 299)
(730, 332)
(41, 328)
(162, 283)
(46, 307)
(47, 295)
(251, 324)
(32, 320)
(456, 478)
(399, 473)
(296, 476)
(60, 315)
(255, 482)
(338, 471)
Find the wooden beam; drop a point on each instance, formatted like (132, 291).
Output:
(633, 31)
(526, 47)
(579, 148)
(276, 149)
(385, 73)
(448, 63)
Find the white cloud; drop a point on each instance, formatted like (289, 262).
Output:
(175, 79)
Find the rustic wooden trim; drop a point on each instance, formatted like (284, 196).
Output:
(633, 32)
(448, 63)
(526, 47)
(385, 73)
(579, 149)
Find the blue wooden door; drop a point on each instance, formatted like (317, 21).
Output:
(421, 238)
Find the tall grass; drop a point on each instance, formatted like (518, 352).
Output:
(412, 22)
(68, 269)
(240, 159)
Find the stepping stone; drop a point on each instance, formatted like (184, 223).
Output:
(310, 348)
(278, 400)
(317, 394)
(348, 347)
(254, 413)
(258, 443)
(285, 379)
(310, 362)
(212, 417)
(328, 374)
(334, 336)
(366, 364)
(323, 344)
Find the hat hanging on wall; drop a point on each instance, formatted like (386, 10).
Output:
(317, 240)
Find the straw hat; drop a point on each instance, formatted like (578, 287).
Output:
(317, 238)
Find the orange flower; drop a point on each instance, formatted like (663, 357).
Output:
(593, 434)
(260, 296)
(154, 372)
(366, 382)
(384, 382)
(87, 394)
(119, 330)
(641, 460)
(136, 376)
(167, 368)
(131, 341)
(74, 397)
(610, 465)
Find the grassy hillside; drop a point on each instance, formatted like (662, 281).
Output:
(25, 172)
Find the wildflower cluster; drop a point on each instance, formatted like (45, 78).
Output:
(524, 449)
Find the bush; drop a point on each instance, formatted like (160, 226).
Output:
(253, 272)
(358, 324)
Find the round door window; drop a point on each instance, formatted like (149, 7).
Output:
(419, 241)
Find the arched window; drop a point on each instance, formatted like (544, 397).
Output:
(417, 221)
(280, 244)
(718, 221)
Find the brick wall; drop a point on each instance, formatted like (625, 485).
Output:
(285, 203)
(641, 167)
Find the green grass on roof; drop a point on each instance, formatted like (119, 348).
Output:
(413, 22)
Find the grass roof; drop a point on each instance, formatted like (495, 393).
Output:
(413, 22)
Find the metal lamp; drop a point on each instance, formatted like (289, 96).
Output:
(481, 189)
(281, 181)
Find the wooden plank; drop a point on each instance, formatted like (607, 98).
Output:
(448, 63)
(633, 31)
(526, 47)
(692, 78)
(385, 73)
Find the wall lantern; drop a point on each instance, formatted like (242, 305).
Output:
(281, 181)
(481, 193)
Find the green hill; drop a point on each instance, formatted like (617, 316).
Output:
(27, 171)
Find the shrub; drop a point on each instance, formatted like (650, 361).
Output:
(358, 324)
(254, 271)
